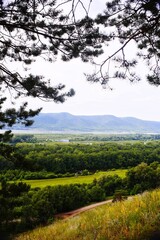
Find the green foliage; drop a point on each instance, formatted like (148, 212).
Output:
(27, 208)
(90, 138)
(33, 29)
(11, 116)
(97, 193)
(14, 189)
(135, 219)
(24, 208)
(23, 138)
(62, 180)
(73, 158)
(44, 161)
(110, 184)
(13, 197)
(143, 177)
(120, 195)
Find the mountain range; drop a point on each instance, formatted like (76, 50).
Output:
(66, 122)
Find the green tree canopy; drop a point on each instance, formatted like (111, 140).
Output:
(31, 29)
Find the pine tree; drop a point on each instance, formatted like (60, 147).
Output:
(31, 29)
(130, 23)
(38, 28)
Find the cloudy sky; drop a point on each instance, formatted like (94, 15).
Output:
(139, 100)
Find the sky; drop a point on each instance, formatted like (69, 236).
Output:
(140, 100)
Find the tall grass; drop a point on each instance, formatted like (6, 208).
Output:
(135, 219)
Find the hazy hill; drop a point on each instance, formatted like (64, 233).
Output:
(99, 123)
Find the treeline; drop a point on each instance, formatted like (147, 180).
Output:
(56, 158)
(115, 137)
(17, 174)
(20, 138)
(36, 138)
(23, 208)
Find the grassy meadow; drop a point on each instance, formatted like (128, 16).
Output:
(73, 180)
(134, 219)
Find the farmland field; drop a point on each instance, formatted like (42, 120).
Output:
(77, 174)
(72, 180)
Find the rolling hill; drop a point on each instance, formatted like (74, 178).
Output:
(65, 122)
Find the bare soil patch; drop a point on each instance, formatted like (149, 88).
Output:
(80, 210)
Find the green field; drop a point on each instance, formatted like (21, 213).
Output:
(73, 180)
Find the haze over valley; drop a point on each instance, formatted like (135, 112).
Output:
(66, 122)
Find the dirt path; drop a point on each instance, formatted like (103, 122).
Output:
(80, 210)
(83, 209)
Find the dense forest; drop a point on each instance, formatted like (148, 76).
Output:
(23, 207)
(35, 161)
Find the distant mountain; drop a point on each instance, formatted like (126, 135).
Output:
(66, 122)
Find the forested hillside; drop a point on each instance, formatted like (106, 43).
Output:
(23, 207)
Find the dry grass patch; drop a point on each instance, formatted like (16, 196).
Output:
(134, 219)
